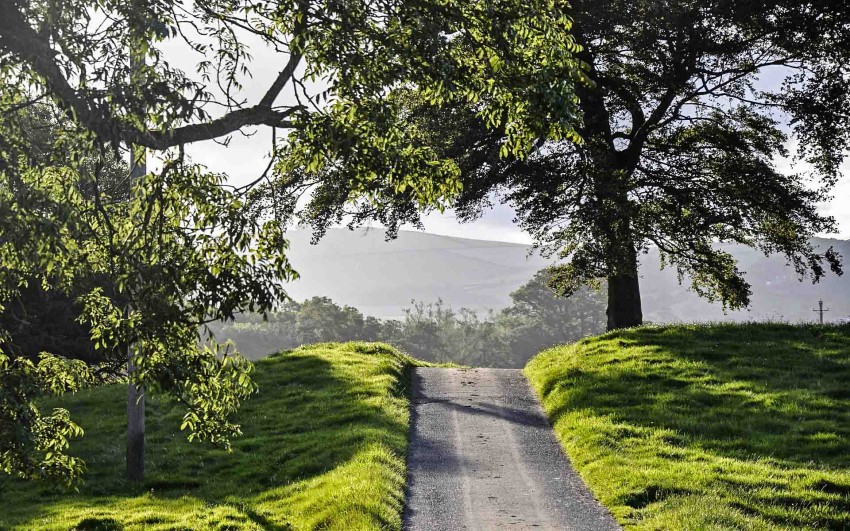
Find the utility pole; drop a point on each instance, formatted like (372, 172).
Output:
(820, 310)
(135, 395)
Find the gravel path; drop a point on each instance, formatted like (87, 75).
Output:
(482, 456)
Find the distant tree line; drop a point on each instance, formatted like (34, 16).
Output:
(536, 319)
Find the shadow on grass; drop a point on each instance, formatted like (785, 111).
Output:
(732, 395)
(772, 396)
(310, 419)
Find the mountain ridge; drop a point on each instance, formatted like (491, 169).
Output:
(381, 278)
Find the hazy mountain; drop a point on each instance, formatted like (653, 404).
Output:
(778, 294)
(380, 278)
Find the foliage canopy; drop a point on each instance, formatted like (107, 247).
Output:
(690, 112)
(181, 247)
(433, 332)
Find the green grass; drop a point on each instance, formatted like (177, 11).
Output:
(708, 427)
(323, 447)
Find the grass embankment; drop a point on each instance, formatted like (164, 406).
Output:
(708, 427)
(323, 447)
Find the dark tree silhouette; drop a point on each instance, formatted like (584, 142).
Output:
(690, 107)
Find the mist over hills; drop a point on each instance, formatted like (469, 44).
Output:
(778, 293)
(359, 268)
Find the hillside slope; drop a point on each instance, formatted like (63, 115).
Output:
(323, 447)
(707, 427)
(380, 278)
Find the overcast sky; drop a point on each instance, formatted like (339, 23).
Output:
(246, 157)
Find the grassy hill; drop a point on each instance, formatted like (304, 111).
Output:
(323, 447)
(708, 427)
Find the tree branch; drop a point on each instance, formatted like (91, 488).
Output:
(18, 37)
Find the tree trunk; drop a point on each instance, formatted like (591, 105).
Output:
(135, 395)
(624, 307)
(610, 171)
(135, 428)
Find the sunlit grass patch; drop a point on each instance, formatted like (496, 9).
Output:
(323, 447)
(708, 427)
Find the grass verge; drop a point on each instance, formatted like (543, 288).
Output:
(707, 427)
(323, 447)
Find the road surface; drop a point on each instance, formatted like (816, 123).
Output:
(482, 456)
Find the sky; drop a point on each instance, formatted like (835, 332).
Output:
(245, 158)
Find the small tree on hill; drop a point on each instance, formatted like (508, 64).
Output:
(319, 319)
(540, 319)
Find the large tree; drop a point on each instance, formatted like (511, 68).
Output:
(185, 247)
(687, 121)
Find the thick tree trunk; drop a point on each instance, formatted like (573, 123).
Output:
(624, 307)
(610, 170)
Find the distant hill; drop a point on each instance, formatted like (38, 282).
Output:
(380, 277)
(778, 294)
(360, 269)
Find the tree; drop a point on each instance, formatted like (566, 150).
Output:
(537, 319)
(43, 319)
(186, 248)
(320, 319)
(685, 119)
(540, 319)
(173, 256)
(429, 330)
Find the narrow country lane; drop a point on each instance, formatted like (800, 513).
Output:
(482, 456)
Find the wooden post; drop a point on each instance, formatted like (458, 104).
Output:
(820, 310)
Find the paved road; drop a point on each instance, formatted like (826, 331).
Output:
(482, 456)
